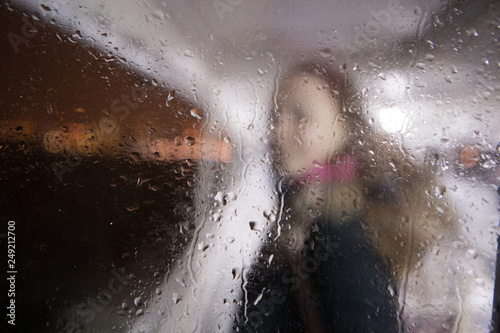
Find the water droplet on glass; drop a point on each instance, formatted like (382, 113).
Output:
(45, 7)
(197, 113)
(258, 298)
(158, 14)
(236, 272)
(190, 140)
(269, 56)
(176, 298)
(489, 164)
(325, 53)
(202, 246)
(471, 254)
(318, 165)
(472, 32)
(132, 208)
(420, 65)
(178, 141)
(391, 290)
(429, 57)
(440, 191)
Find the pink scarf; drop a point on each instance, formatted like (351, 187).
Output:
(343, 169)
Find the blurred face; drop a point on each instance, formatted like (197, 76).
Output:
(312, 129)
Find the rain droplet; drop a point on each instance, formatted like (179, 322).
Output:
(202, 246)
(471, 254)
(169, 97)
(178, 141)
(236, 272)
(258, 298)
(197, 113)
(269, 56)
(472, 32)
(420, 65)
(318, 165)
(158, 14)
(391, 290)
(220, 198)
(440, 191)
(325, 53)
(45, 7)
(471, 273)
(489, 164)
(138, 301)
(190, 140)
(132, 208)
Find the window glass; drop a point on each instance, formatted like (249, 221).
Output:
(271, 166)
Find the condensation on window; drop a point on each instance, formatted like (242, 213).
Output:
(231, 166)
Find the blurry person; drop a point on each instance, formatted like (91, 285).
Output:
(322, 144)
(382, 215)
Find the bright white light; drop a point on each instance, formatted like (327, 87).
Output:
(392, 119)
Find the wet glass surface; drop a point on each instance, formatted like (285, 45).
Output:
(231, 166)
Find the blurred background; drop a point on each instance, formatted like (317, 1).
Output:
(104, 105)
